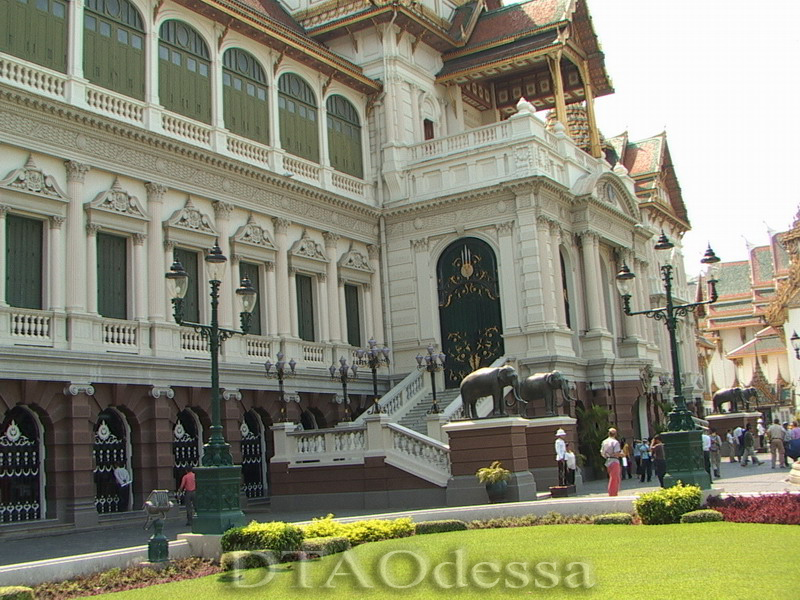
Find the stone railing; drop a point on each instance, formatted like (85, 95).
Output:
(115, 105)
(191, 130)
(33, 77)
(350, 444)
(191, 341)
(401, 398)
(258, 347)
(314, 353)
(348, 183)
(30, 325)
(301, 167)
(120, 334)
(249, 149)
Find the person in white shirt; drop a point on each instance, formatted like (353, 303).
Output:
(611, 450)
(776, 434)
(737, 439)
(731, 445)
(706, 451)
(572, 465)
(561, 458)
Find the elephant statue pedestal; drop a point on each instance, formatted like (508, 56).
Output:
(726, 421)
(476, 444)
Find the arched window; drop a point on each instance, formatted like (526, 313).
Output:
(184, 85)
(112, 476)
(244, 88)
(297, 112)
(35, 30)
(21, 467)
(113, 46)
(344, 136)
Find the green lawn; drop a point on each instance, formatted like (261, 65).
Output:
(709, 560)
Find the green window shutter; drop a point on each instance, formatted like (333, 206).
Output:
(24, 262)
(184, 71)
(191, 308)
(250, 271)
(245, 107)
(305, 308)
(112, 276)
(344, 136)
(35, 30)
(297, 112)
(353, 315)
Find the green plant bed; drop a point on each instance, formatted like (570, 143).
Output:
(599, 547)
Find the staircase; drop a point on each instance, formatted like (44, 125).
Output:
(415, 418)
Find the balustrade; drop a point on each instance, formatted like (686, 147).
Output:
(30, 325)
(33, 77)
(191, 341)
(120, 333)
(117, 106)
(186, 129)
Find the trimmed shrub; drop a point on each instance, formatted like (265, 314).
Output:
(667, 505)
(322, 546)
(614, 519)
(551, 518)
(781, 509)
(358, 532)
(442, 526)
(16, 592)
(246, 559)
(702, 516)
(274, 535)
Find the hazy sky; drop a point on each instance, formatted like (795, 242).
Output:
(721, 77)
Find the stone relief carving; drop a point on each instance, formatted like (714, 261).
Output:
(117, 200)
(32, 179)
(308, 248)
(252, 233)
(352, 259)
(191, 218)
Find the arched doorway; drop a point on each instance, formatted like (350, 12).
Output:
(111, 452)
(254, 462)
(21, 467)
(187, 444)
(469, 308)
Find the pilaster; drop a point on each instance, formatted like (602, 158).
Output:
(284, 305)
(331, 293)
(75, 257)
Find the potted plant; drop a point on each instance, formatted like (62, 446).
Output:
(495, 478)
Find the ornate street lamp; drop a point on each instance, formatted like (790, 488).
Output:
(280, 373)
(376, 357)
(683, 438)
(343, 373)
(218, 479)
(432, 363)
(795, 339)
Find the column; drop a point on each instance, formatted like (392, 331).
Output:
(592, 277)
(55, 273)
(643, 299)
(75, 263)
(169, 257)
(588, 94)
(332, 293)
(73, 439)
(601, 296)
(369, 325)
(75, 37)
(542, 238)
(558, 84)
(555, 255)
(342, 313)
(422, 277)
(223, 212)
(91, 269)
(322, 292)
(293, 325)
(155, 243)
(283, 305)
(377, 297)
(509, 295)
(271, 300)
(3, 213)
(139, 278)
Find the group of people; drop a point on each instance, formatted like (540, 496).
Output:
(742, 442)
(647, 454)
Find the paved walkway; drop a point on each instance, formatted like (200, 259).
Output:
(735, 479)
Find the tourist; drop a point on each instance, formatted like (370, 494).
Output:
(626, 459)
(561, 459)
(776, 435)
(188, 486)
(706, 440)
(748, 444)
(731, 445)
(637, 456)
(572, 465)
(761, 433)
(737, 439)
(647, 465)
(659, 458)
(716, 448)
(611, 450)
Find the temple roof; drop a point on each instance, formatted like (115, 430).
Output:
(766, 341)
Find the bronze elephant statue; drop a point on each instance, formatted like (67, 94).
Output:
(488, 381)
(545, 385)
(739, 398)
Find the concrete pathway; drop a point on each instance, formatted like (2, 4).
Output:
(735, 479)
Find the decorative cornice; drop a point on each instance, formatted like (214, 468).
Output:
(117, 200)
(352, 259)
(253, 234)
(305, 247)
(191, 218)
(32, 179)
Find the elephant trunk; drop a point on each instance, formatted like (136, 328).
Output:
(517, 398)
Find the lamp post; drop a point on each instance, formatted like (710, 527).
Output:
(795, 339)
(218, 479)
(280, 373)
(376, 357)
(683, 438)
(343, 373)
(432, 363)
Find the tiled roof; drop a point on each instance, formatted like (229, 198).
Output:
(517, 20)
(781, 257)
(645, 156)
(761, 259)
(461, 18)
(499, 53)
(734, 278)
(275, 11)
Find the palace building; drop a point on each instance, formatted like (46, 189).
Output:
(378, 170)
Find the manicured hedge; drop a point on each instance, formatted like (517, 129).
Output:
(358, 532)
(702, 516)
(442, 526)
(275, 535)
(781, 509)
(323, 546)
(16, 592)
(667, 505)
(614, 519)
(246, 559)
